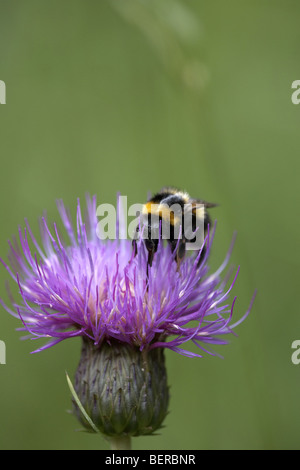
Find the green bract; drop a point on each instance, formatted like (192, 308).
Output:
(123, 390)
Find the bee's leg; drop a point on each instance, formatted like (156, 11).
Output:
(204, 248)
(135, 240)
(198, 248)
(201, 258)
(180, 252)
(207, 224)
(149, 262)
(150, 257)
(151, 246)
(134, 246)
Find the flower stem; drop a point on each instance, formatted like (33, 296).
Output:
(120, 443)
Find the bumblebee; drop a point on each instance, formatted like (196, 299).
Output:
(173, 215)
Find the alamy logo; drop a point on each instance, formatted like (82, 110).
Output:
(296, 354)
(154, 224)
(2, 353)
(2, 92)
(296, 94)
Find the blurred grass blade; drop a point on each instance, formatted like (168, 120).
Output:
(78, 402)
(172, 29)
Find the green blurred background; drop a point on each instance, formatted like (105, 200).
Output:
(131, 95)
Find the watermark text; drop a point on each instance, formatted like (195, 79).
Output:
(296, 354)
(153, 222)
(2, 352)
(2, 92)
(296, 94)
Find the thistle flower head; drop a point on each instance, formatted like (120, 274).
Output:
(126, 311)
(100, 290)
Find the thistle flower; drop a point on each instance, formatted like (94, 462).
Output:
(100, 291)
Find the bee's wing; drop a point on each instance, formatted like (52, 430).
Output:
(206, 204)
